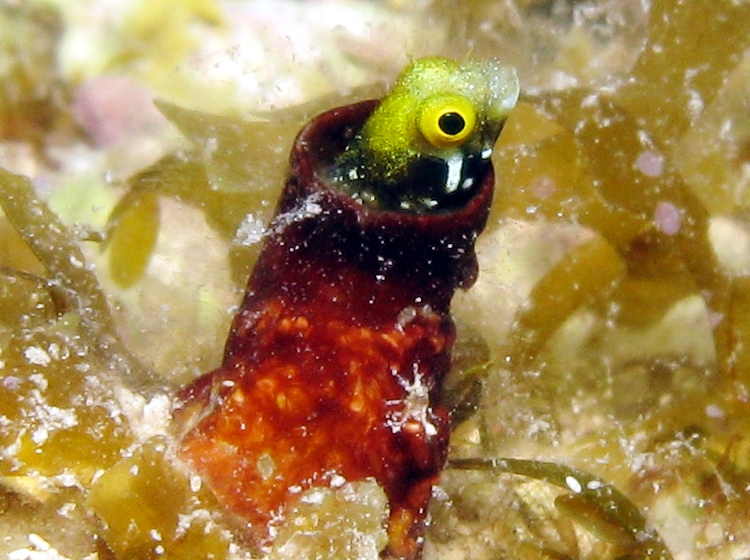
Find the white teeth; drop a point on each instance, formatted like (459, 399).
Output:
(455, 165)
(486, 153)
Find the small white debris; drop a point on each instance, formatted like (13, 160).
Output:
(695, 103)
(39, 380)
(667, 218)
(97, 475)
(467, 184)
(75, 261)
(66, 509)
(251, 230)
(314, 496)
(147, 419)
(405, 316)
(574, 484)
(650, 163)
(590, 101)
(337, 481)
(714, 411)
(39, 542)
(40, 550)
(714, 318)
(83, 367)
(185, 521)
(37, 356)
(54, 351)
(49, 418)
(730, 239)
(413, 412)
(11, 382)
(195, 483)
(563, 80)
(594, 484)
(210, 146)
(40, 435)
(309, 208)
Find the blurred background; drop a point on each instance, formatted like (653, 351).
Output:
(609, 328)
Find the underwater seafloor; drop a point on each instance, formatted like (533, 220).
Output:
(605, 346)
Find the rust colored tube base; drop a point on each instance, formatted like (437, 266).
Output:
(334, 363)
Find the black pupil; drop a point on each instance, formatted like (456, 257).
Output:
(451, 123)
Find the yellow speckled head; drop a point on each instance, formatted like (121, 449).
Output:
(440, 119)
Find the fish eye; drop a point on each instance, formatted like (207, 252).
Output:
(446, 120)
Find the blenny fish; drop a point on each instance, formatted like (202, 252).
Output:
(334, 363)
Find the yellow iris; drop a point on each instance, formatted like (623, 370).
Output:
(446, 120)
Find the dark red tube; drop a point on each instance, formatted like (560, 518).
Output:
(335, 361)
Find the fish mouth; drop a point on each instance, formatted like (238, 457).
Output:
(435, 184)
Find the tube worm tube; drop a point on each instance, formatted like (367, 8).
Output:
(334, 363)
